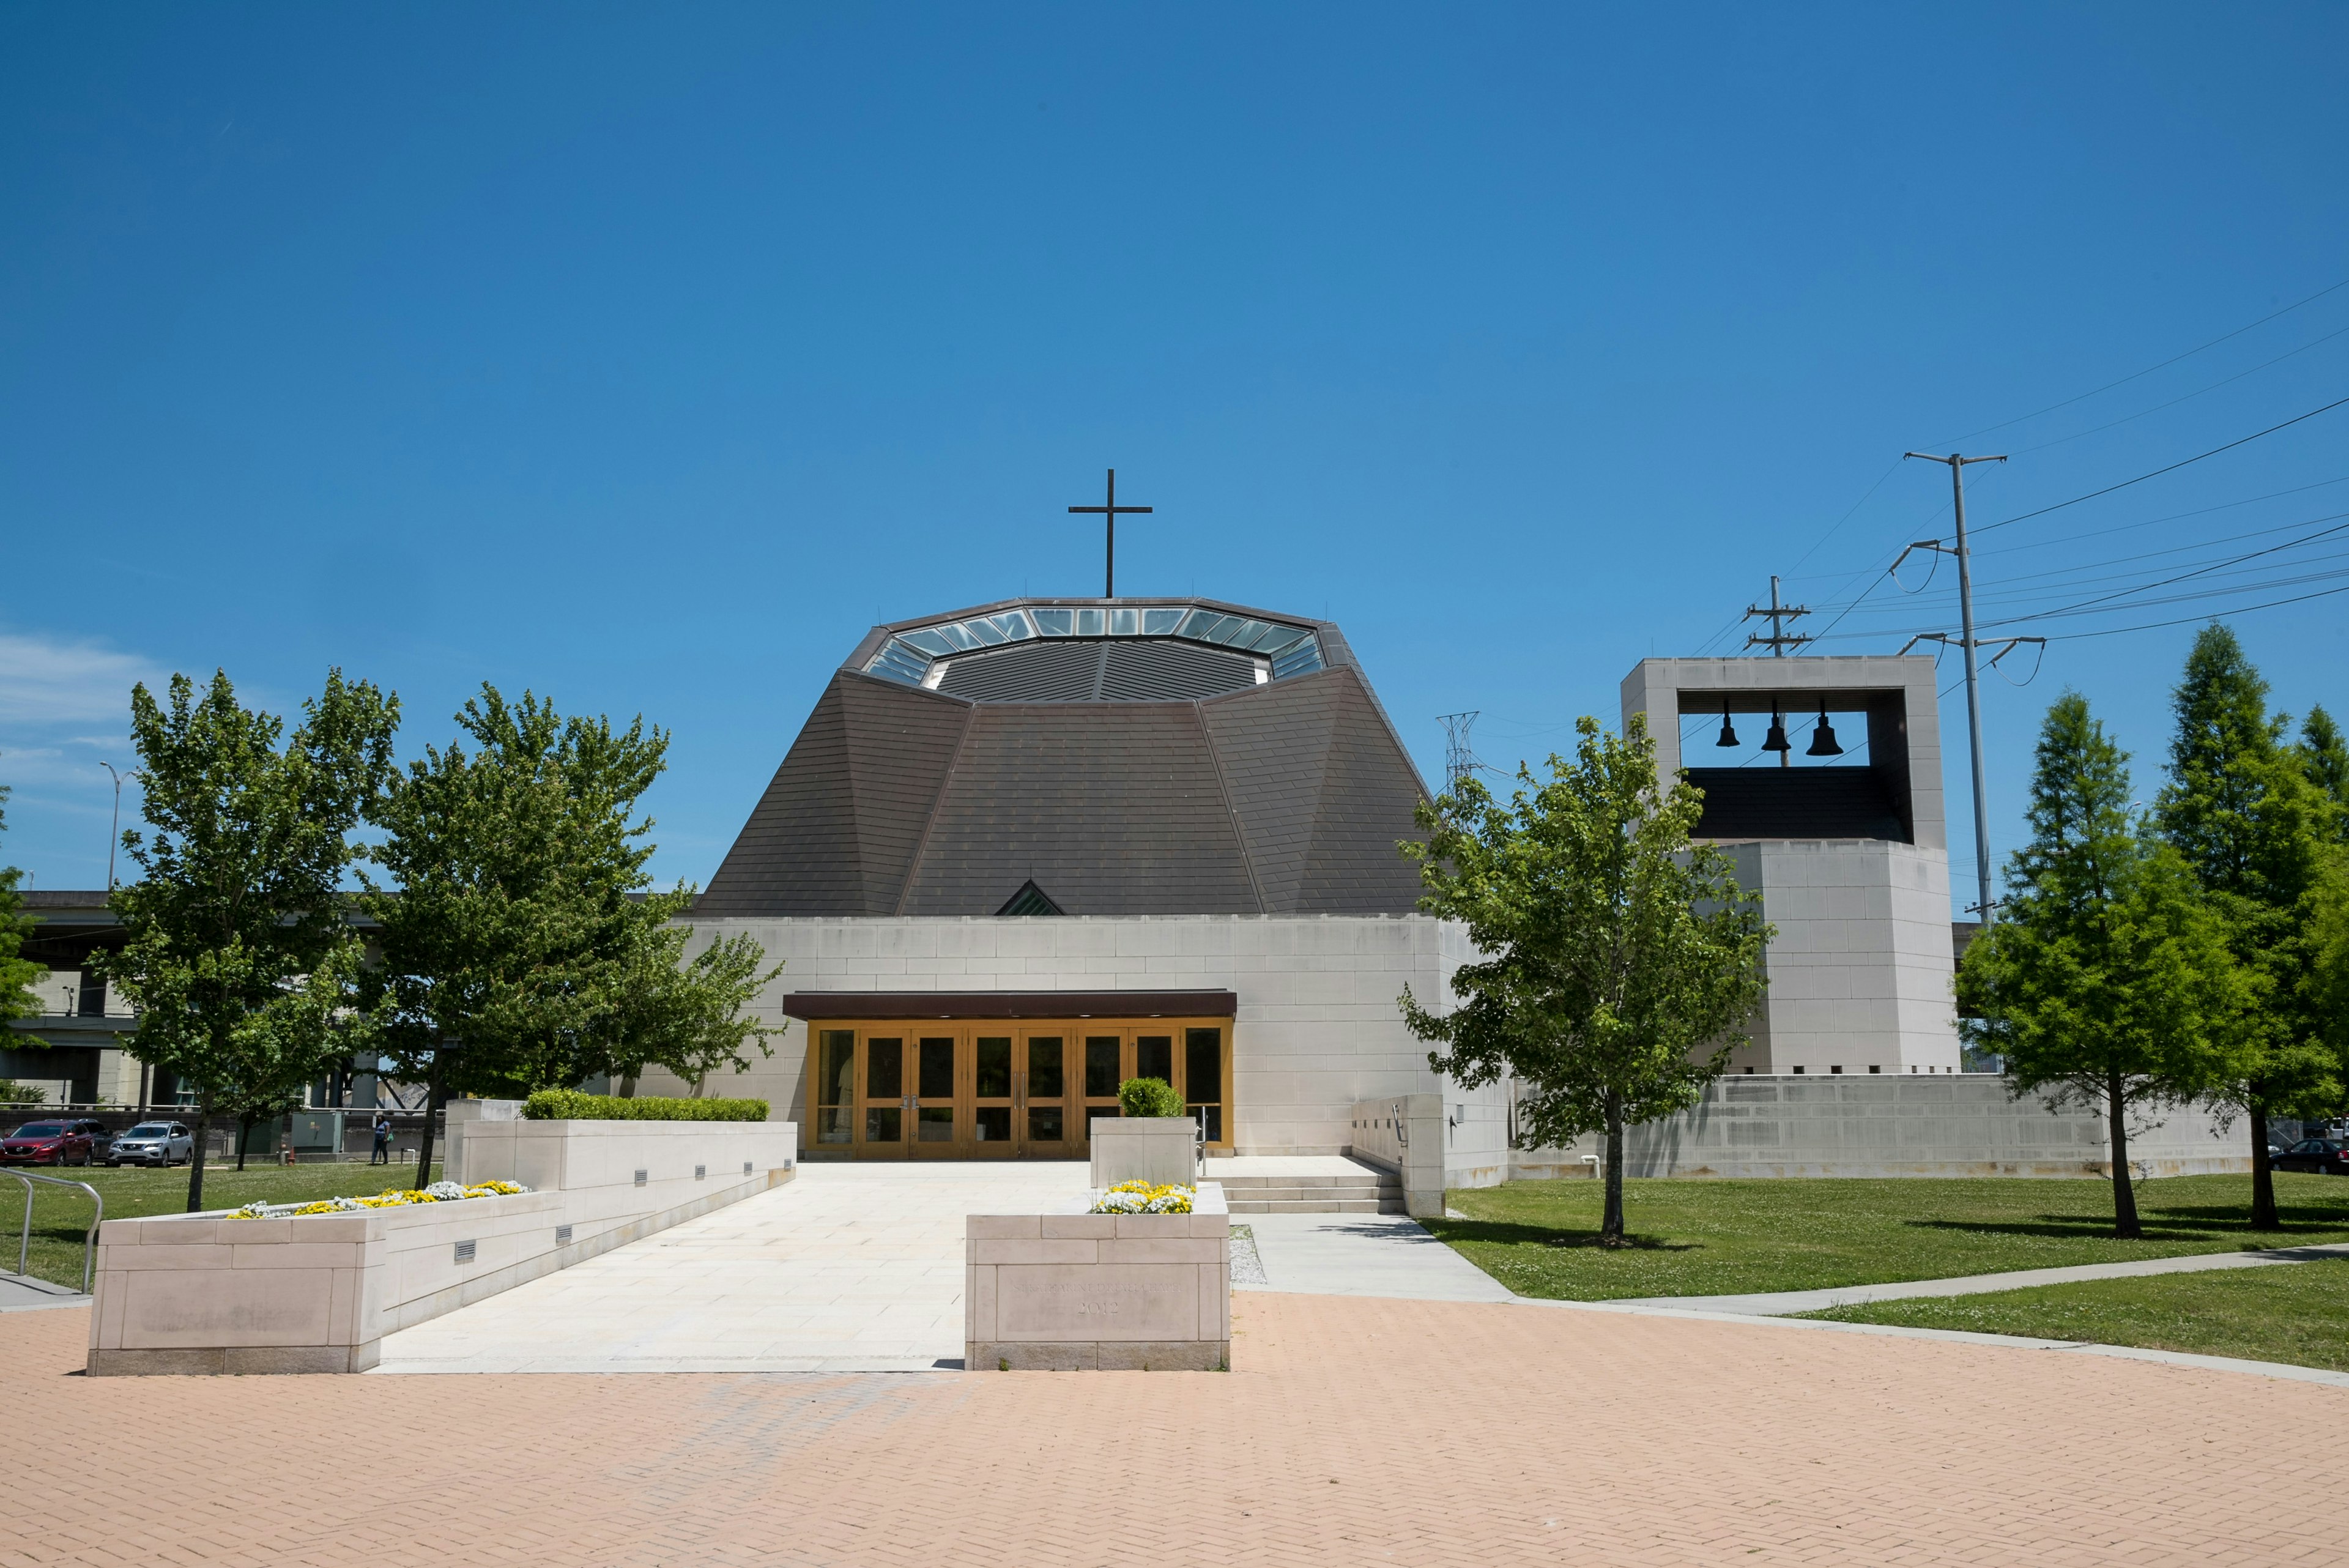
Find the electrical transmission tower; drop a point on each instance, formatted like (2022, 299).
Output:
(1459, 760)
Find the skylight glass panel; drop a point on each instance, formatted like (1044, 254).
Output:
(1302, 660)
(929, 642)
(1054, 622)
(898, 662)
(1160, 622)
(983, 631)
(1013, 626)
(1089, 623)
(1125, 623)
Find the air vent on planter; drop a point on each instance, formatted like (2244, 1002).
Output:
(641, 1177)
(464, 1251)
(700, 1172)
(563, 1235)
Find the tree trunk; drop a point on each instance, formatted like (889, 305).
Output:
(432, 1091)
(2124, 1225)
(628, 1087)
(196, 1158)
(2264, 1208)
(243, 1137)
(1610, 1225)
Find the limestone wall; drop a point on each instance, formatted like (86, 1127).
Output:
(1318, 1028)
(1886, 1126)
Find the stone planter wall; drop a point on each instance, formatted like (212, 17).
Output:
(1070, 1293)
(317, 1292)
(1162, 1150)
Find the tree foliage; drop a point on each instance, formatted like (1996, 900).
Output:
(1621, 962)
(523, 949)
(2243, 810)
(2107, 981)
(2324, 757)
(238, 957)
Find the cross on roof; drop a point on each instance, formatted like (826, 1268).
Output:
(1110, 513)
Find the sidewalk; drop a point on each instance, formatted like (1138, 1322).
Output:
(1783, 1303)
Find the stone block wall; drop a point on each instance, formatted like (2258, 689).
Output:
(1067, 1293)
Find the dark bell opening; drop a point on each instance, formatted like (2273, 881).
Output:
(1776, 740)
(1728, 731)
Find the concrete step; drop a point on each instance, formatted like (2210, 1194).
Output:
(1369, 1178)
(1315, 1205)
(1364, 1193)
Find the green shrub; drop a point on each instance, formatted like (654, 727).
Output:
(1149, 1098)
(571, 1105)
(13, 1093)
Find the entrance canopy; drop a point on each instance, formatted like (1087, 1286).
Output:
(831, 1005)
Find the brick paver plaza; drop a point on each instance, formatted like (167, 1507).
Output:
(1350, 1430)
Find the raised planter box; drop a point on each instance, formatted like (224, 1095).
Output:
(317, 1294)
(1083, 1292)
(1161, 1150)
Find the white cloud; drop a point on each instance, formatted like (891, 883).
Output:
(44, 681)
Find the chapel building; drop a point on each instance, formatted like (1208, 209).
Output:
(1022, 852)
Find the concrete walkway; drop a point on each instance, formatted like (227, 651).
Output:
(1781, 1303)
(1364, 1255)
(849, 1268)
(23, 1292)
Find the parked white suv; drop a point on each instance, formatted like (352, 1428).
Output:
(152, 1143)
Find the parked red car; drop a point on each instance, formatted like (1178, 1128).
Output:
(50, 1143)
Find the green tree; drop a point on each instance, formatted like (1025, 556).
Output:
(18, 974)
(521, 912)
(238, 956)
(1622, 960)
(687, 1016)
(2325, 756)
(2240, 808)
(2327, 985)
(2107, 981)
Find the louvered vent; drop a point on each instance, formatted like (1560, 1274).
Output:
(1171, 672)
(1030, 673)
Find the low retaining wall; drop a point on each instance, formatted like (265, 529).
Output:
(1073, 1292)
(1405, 1134)
(182, 1293)
(1864, 1124)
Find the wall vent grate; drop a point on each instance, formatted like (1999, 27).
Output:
(563, 1235)
(642, 1176)
(701, 1173)
(465, 1251)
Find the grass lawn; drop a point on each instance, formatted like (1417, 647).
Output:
(1694, 1238)
(60, 1214)
(2294, 1312)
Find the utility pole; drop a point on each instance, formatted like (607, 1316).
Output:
(1778, 615)
(1973, 675)
(1777, 643)
(117, 837)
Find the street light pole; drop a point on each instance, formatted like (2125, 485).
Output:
(1973, 686)
(117, 836)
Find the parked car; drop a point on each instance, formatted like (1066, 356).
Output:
(153, 1142)
(63, 1142)
(2325, 1155)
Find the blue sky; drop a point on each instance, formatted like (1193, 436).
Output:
(644, 356)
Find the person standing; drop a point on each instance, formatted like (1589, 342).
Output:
(382, 1155)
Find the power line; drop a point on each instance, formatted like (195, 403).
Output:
(2149, 370)
(2183, 620)
(2172, 467)
(2187, 396)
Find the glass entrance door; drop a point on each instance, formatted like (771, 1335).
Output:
(1048, 1129)
(993, 1123)
(999, 1091)
(934, 1097)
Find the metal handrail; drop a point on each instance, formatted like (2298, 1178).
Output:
(25, 1237)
